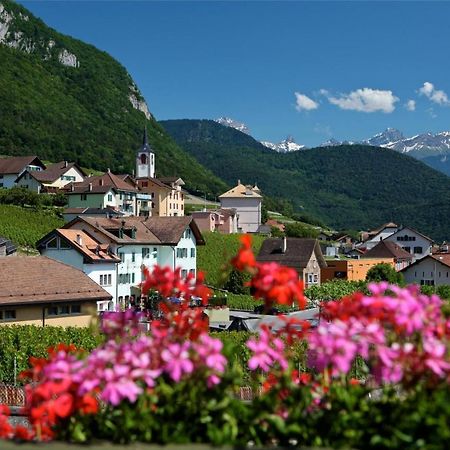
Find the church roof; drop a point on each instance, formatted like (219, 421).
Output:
(145, 147)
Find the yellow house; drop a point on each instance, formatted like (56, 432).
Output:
(36, 290)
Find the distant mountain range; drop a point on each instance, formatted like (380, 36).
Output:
(350, 186)
(431, 148)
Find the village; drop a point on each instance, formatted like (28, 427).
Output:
(116, 224)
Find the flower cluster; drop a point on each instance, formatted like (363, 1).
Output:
(400, 333)
(270, 281)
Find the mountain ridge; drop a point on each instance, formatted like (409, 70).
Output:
(61, 98)
(350, 186)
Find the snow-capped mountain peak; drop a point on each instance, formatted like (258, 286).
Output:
(233, 124)
(285, 146)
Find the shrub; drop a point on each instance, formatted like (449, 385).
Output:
(384, 272)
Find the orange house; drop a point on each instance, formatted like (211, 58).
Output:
(351, 269)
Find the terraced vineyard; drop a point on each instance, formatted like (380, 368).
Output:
(25, 226)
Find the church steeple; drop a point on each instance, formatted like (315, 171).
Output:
(145, 159)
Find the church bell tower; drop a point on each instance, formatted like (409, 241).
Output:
(145, 159)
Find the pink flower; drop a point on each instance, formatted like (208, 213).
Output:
(435, 355)
(178, 362)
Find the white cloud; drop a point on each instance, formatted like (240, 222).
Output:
(410, 105)
(433, 94)
(303, 102)
(365, 100)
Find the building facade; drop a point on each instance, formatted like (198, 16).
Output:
(432, 270)
(247, 202)
(12, 167)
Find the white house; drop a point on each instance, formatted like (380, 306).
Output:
(12, 167)
(372, 238)
(107, 190)
(78, 249)
(136, 242)
(53, 178)
(247, 201)
(412, 242)
(432, 270)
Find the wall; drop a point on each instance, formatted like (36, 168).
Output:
(93, 271)
(204, 221)
(188, 263)
(70, 257)
(8, 180)
(311, 273)
(248, 211)
(32, 315)
(72, 172)
(419, 241)
(93, 200)
(30, 183)
(428, 271)
(351, 269)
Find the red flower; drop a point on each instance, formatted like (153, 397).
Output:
(245, 259)
(88, 405)
(22, 433)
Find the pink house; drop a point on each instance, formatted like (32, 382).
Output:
(222, 220)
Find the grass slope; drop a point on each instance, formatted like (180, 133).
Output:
(347, 187)
(25, 226)
(213, 258)
(81, 114)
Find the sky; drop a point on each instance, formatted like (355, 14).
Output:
(312, 70)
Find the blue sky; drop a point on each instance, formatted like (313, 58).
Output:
(357, 67)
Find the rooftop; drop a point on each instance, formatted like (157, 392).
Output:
(16, 164)
(387, 249)
(242, 191)
(38, 279)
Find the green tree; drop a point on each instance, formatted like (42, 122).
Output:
(384, 272)
(300, 231)
(236, 283)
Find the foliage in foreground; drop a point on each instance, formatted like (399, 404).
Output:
(25, 226)
(178, 384)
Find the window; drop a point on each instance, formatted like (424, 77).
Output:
(52, 243)
(418, 250)
(143, 158)
(83, 197)
(109, 280)
(132, 278)
(105, 280)
(316, 278)
(122, 256)
(64, 245)
(407, 249)
(427, 282)
(310, 277)
(145, 253)
(184, 273)
(63, 310)
(192, 252)
(192, 272)
(8, 314)
(109, 197)
(133, 257)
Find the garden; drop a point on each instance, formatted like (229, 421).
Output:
(374, 373)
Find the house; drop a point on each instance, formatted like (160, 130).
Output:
(158, 192)
(303, 255)
(37, 290)
(247, 201)
(351, 269)
(371, 238)
(221, 220)
(7, 248)
(102, 191)
(53, 178)
(176, 195)
(141, 241)
(431, 270)
(275, 224)
(80, 250)
(413, 242)
(389, 249)
(12, 167)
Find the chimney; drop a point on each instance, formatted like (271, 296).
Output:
(72, 187)
(79, 240)
(65, 163)
(90, 187)
(109, 170)
(100, 182)
(284, 245)
(239, 181)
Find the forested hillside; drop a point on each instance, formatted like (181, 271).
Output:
(346, 186)
(63, 99)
